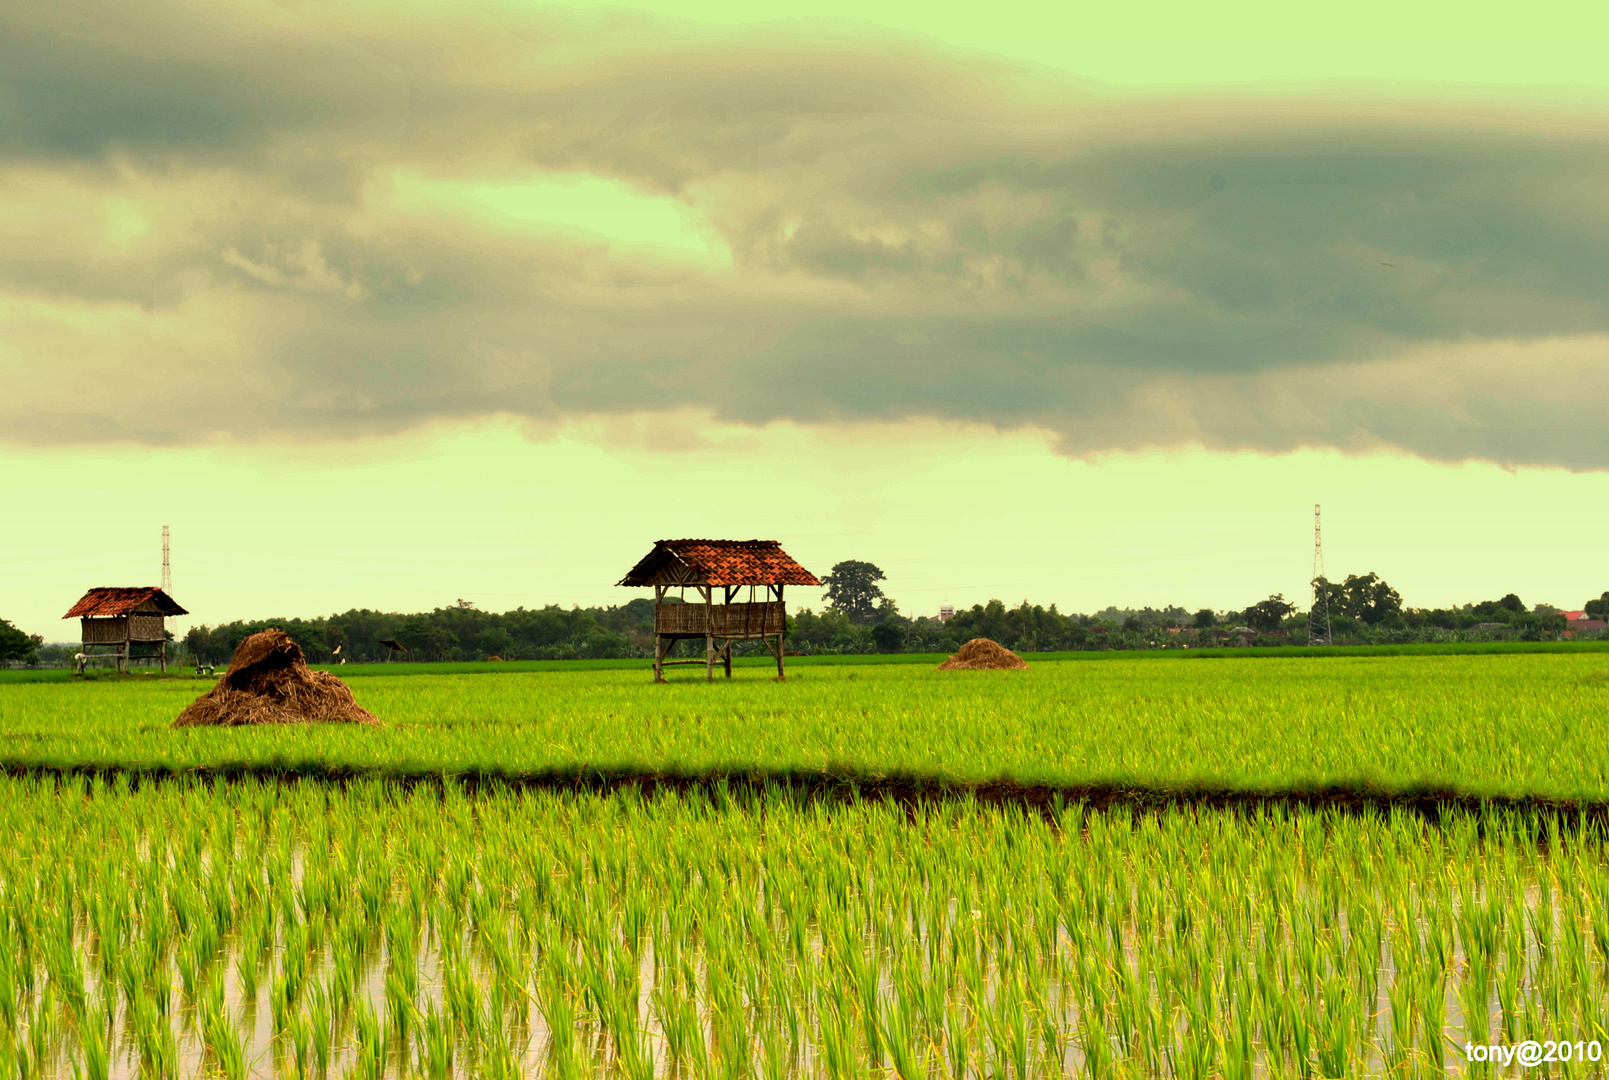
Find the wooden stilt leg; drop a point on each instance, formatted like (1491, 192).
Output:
(660, 649)
(726, 655)
(781, 674)
(709, 631)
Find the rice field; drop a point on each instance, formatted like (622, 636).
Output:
(448, 897)
(271, 928)
(1512, 725)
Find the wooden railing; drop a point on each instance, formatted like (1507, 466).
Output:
(724, 620)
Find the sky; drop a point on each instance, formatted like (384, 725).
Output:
(393, 305)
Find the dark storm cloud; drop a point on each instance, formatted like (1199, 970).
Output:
(204, 194)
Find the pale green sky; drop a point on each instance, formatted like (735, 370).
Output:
(390, 305)
(953, 515)
(1192, 44)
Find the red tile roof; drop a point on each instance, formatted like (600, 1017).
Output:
(103, 602)
(722, 562)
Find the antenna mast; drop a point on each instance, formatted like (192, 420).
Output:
(1318, 616)
(167, 566)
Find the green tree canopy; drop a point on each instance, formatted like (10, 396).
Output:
(16, 645)
(889, 636)
(852, 589)
(1599, 608)
(1266, 615)
(1368, 599)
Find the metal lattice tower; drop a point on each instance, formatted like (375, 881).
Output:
(1318, 616)
(167, 566)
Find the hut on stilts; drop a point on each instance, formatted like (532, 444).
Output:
(127, 624)
(707, 567)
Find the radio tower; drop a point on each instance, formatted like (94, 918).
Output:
(1318, 616)
(167, 567)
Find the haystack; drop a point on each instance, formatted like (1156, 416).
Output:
(981, 654)
(269, 682)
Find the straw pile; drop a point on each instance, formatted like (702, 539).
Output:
(268, 682)
(981, 654)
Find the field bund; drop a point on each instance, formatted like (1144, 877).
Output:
(1505, 726)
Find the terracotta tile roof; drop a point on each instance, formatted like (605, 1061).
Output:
(722, 562)
(104, 602)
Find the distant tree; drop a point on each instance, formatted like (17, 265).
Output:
(889, 636)
(16, 645)
(495, 642)
(1266, 615)
(1502, 610)
(1599, 608)
(852, 589)
(1206, 617)
(425, 638)
(1367, 599)
(887, 609)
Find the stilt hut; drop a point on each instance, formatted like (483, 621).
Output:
(723, 568)
(131, 623)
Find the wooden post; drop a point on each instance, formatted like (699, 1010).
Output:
(709, 632)
(659, 650)
(781, 674)
(726, 655)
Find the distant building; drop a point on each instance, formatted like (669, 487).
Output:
(1576, 622)
(946, 612)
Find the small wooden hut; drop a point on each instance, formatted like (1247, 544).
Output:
(128, 622)
(726, 566)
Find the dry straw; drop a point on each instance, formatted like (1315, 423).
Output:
(981, 654)
(269, 682)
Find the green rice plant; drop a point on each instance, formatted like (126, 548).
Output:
(676, 1016)
(223, 1041)
(247, 968)
(96, 1063)
(34, 1053)
(158, 1046)
(319, 1022)
(369, 1061)
(298, 1035)
(436, 1043)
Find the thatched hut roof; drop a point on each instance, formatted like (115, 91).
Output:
(718, 562)
(105, 602)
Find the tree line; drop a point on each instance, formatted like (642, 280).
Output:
(858, 617)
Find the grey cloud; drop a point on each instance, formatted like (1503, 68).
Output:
(914, 235)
